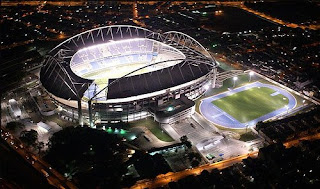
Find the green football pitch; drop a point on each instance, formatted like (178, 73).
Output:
(252, 103)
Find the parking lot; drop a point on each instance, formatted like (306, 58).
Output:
(212, 145)
(194, 131)
(219, 148)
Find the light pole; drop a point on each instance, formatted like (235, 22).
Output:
(235, 78)
(206, 87)
(251, 73)
(90, 114)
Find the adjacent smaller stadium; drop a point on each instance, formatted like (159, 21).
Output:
(247, 105)
(126, 73)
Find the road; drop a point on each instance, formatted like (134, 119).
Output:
(83, 3)
(164, 179)
(204, 123)
(54, 178)
(19, 173)
(279, 21)
(296, 141)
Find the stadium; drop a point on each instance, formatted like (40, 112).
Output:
(125, 73)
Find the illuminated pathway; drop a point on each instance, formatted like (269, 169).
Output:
(54, 178)
(164, 179)
(278, 21)
(238, 4)
(296, 141)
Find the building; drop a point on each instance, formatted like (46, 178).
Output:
(14, 108)
(120, 72)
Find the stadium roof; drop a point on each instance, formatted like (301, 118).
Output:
(57, 77)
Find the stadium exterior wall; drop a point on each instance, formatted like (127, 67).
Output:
(131, 110)
(67, 89)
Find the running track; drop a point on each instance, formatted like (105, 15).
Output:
(221, 118)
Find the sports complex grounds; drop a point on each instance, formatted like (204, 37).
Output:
(244, 102)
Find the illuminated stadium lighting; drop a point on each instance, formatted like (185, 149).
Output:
(98, 57)
(111, 42)
(251, 73)
(123, 52)
(123, 131)
(116, 130)
(287, 107)
(234, 80)
(109, 130)
(170, 109)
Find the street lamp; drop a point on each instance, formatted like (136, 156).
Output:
(206, 86)
(251, 73)
(235, 78)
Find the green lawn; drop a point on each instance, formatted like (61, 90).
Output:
(252, 103)
(153, 127)
(248, 136)
(228, 83)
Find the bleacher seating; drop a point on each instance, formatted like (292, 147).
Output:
(106, 55)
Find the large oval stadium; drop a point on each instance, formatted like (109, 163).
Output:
(120, 72)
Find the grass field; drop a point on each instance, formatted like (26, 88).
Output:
(252, 103)
(248, 136)
(116, 71)
(242, 80)
(153, 127)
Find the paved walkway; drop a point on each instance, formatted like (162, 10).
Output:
(221, 118)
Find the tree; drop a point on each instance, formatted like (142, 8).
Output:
(144, 165)
(29, 137)
(40, 145)
(259, 125)
(149, 166)
(184, 139)
(194, 155)
(13, 126)
(92, 158)
(195, 163)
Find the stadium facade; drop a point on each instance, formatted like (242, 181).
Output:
(123, 72)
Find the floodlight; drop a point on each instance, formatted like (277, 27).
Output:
(109, 130)
(122, 131)
(170, 108)
(116, 130)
